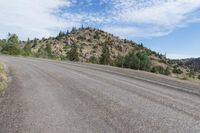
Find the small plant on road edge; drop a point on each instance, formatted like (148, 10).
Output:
(3, 79)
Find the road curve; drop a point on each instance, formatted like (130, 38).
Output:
(62, 97)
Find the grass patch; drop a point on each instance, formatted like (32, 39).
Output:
(3, 79)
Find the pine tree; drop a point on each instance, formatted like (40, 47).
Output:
(27, 48)
(34, 43)
(105, 56)
(49, 50)
(73, 53)
(12, 45)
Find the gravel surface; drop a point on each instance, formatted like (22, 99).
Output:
(47, 96)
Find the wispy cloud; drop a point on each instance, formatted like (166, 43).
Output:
(127, 18)
(181, 56)
(154, 17)
(31, 18)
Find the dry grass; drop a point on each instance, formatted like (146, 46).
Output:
(3, 79)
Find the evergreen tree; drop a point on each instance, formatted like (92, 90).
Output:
(2, 44)
(12, 45)
(49, 50)
(138, 61)
(27, 48)
(34, 43)
(132, 61)
(120, 61)
(60, 35)
(74, 29)
(105, 56)
(73, 53)
(93, 59)
(145, 63)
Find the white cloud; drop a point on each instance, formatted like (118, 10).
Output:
(159, 12)
(181, 56)
(133, 31)
(127, 18)
(161, 16)
(30, 18)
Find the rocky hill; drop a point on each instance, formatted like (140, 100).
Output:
(89, 43)
(97, 46)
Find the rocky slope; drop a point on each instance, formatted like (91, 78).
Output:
(192, 63)
(89, 43)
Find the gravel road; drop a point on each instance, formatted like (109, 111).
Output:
(47, 96)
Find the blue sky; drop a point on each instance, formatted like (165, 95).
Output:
(167, 26)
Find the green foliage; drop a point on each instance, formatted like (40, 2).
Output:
(45, 52)
(198, 77)
(73, 53)
(184, 78)
(167, 71)
(49, 50)
(66, 47)
(96, 35)
(27, 48)
(191, 74)
(94, 60)
(119, 61)
(41, 53)
(138, 61)
(177, 70)
(61, 34)
(34, 43)
(105, 56)
(145, 63)
(160, 70)
(4, 79)
(12, 45)
(73, 29)
(132, 61)
(2, 44)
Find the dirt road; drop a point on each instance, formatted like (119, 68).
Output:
(62, 97)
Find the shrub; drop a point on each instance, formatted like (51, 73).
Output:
(132, 61)
(105, 56)
(137, 61)
(94, 60)
(161, 70)
(34, 43)
(41, 53)
(4, 79)
(158, 69)
(12, 45)
(27, 49)
(191, 74)
(167, 71)
(49, 50)
(184, 78)
(177, 70)
(145, 63)
(73, 53)
(119, 61)
(199, 77)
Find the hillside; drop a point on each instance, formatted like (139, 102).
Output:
(97, 46)
(89, 43)
(192, 63)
